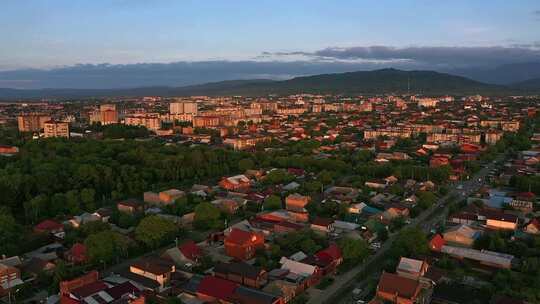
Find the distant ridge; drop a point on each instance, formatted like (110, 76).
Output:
(362, 82)
(531, 84)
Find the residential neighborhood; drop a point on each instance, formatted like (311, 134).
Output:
(346, 200)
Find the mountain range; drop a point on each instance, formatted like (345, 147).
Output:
(361, 82)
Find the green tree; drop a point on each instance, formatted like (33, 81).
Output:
(100, 247)
(73, 202)
(313, 187)
(410, 242)
(94, 227)
(153, 231)
(246, 164)
(88, 199)
(353, 250)
(272, 202)
(426, 199)
(36, 208)
(10, 234)
(207, 216)
(278, 176)
(105, 246)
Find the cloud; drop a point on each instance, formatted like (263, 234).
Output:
(442, 57)
(170, 74)
(274, 65)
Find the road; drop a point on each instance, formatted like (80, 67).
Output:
(338, 291)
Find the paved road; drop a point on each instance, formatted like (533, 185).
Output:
(427, 220)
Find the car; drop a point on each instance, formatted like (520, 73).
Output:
(459, 187)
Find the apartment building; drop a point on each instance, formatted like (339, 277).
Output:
(53, 128)
(32, 122)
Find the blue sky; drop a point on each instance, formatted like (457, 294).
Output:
(52, 34)
(39, 33)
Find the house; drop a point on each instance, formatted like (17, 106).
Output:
(463, 235)
(245, 295)
(170, 196)
(357, 208)
(10, 277)
(532, 227)
(398, 289)
(395, 212)
(522, 205)
(76, 254)
(501, 220)
(187, 253)
(213, 289)
(411, 268)
(325, 225)
(465, 218)
(438, 161)
(287, 227)
(104, 214)
(242, 273)
(331, 256)
(155, 269)
(227, 205)
(242, 245)
(130, 206)
(151, 198)
(89, 289)
(66, 287)
(295, 204)
(485, 257)
(311, 274)
(376, 184)
(291, 186)
(342, 194)
(50, 227)
(36, 266)
(235, 183)
(283, 288)
(82, 219)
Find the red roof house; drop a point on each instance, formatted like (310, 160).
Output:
(49, 226)
(77, 253)
(213, 288)
(436, 243)
(331, 256)
(191, 251)
(242, 245)
(397, 289)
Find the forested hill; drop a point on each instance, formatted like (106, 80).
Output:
(363, 82)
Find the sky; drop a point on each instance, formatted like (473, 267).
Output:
(326, 35)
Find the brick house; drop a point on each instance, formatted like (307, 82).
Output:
(242, 245)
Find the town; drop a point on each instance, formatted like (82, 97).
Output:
(276, 199)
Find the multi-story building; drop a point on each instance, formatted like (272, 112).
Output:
(53, 128)
(427, 102)
(245, 142)
(389, 132)
(185, 107)
(492, 137)
(32, 122)
(206, 121)
(150, 121)
(106, 115)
